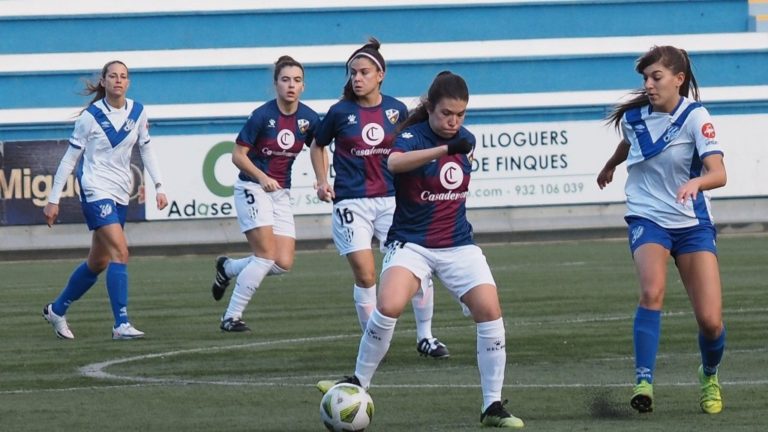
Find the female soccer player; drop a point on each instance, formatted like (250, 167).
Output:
(265, 151)
(430, 235)
(673, 160)
(363, 125)
(105, 134)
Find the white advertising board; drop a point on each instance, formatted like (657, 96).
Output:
(518, 164)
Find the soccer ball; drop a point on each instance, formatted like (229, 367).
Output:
(346, 407)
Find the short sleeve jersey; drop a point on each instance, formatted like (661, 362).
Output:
(363, 139)
(106, 135)
(667, 150)
(431, 199)
(275, 140)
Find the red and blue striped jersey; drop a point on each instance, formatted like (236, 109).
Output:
(275, 139)
(363, 139)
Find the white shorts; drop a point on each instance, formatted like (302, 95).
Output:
(460, 268)
(256, 208)
(356, 221)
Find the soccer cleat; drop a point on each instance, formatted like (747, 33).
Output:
(432, 348)
(221, 281)
(326, 385)
(498, 416)
(234, 325)
(126, 331)
(642, 397)
(711, 401)
(59, 323)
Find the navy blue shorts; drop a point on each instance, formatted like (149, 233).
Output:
(698, 238)
(103, 212)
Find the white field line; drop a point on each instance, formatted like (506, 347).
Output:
(98, 370)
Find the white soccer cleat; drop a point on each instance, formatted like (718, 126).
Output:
(126, 331)
(59, 323)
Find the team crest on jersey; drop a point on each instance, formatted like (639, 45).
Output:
(708, 130)
(671, 133)
(351, 119)
(303, 125)
(406, 135)
(129, 124)
(271, 123)
(393, 115)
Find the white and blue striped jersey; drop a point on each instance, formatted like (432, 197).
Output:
(666, 150)
(105, 136)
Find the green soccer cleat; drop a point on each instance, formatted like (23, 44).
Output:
(642, 397)
(326, 385)
(711, 401)
(498, 416)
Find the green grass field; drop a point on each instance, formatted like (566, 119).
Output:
(568, 309)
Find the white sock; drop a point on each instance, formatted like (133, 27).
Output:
(423, 304)
(491, 359)
(373, 346)
(276, 270)
(233, 267)
(247, 281)
(365, 303)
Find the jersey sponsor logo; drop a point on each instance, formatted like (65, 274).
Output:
(406, 135)
(373, 134)
(303, 125)
(392, 115)
(351, 119)
(638, 128)
(451, 175)
(708, 130)
(285, 139)
(105, 124)
(129, 125)
(271, 123)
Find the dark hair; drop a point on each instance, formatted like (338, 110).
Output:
(371, 52)
(284, 62)
(95, 87)
(676, 60)
(446, 85)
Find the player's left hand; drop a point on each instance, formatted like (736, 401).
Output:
(688, 191)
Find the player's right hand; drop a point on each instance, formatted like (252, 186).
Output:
(462, 146)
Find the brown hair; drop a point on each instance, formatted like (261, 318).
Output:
(371, 52)
(284, 62)
(446, 85)
(95, 87)
(674, 59)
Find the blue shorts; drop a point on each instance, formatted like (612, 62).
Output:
(103, 212)
(698, 238)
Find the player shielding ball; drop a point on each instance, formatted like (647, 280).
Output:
(673, 161)
(430, 235)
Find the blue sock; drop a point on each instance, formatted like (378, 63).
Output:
(711, 352)
(80, 281)
(117, 288)
(647, 330)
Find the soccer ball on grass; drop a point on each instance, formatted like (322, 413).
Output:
(346, 407)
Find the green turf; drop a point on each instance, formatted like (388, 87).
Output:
(568, 310)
